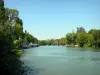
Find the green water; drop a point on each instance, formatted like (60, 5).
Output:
(59, 60)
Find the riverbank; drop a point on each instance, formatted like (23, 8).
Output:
(29, 46)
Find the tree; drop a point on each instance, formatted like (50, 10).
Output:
(42, 42)
(15, 24)
(80, 29)
(18, 31)
(89, 42)
(62, 41)
(81, 38)
(2, 13)
(9, 61)
(96, 37)
(19, 21)
(11, 14)
(5, 40)
(28, 38)
(84, 39)
(69, 38)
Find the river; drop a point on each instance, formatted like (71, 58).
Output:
(60, 60)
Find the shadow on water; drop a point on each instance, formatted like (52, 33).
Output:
(30, 71)
(12, 65)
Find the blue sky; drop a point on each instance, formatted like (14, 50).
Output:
(46, 19)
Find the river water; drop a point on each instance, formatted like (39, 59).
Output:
(60, 60)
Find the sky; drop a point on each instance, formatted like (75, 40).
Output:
(46, 19)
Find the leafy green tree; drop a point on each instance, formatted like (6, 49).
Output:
(10, 63)
(42, 42)
(81, 39)
(84, 39)
(96, 37)
(18, 31)
(62, 41)
(5, 35)
(49, 42)
(89, 39)
(80, 29)
(28, 38)
(19, 21)
(69, 38)
(11, 14)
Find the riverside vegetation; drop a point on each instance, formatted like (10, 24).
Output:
(80, 38)
(12, 37)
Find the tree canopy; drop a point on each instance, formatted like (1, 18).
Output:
(12, 38)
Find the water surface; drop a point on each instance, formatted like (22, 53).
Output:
(59, 60)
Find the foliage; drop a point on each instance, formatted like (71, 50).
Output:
(28, 38)
(62, 41)
(11, 40)
(42, 42)
(18, 52)
(96, 37)
(71, 38)
(80, 29)
(49, 42)
(80, 38)
(84, 39)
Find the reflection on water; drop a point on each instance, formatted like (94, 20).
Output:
(93, 59)
(59, 60)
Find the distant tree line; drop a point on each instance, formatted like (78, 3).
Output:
(80, 38)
